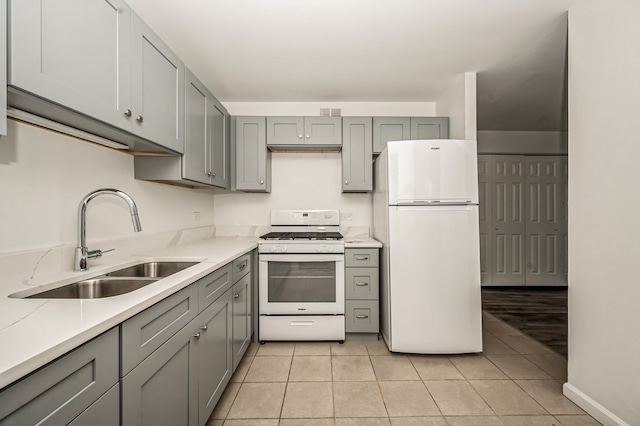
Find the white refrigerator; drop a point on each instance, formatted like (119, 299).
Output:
(425, 212)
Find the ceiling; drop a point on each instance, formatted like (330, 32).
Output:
(376, 51)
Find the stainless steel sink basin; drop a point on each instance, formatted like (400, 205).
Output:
(94, 288)
(114, 283)
(152, 269)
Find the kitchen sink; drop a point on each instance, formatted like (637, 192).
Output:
(113, 283)
(152, 269)
(94, 288)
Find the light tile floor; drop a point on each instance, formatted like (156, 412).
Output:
(516, 381)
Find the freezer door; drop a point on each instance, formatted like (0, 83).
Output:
(434, 280)
(444, 170)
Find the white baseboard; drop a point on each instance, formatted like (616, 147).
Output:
(596, 410)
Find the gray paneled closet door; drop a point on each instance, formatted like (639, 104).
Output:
(75, 53)
(158, 88)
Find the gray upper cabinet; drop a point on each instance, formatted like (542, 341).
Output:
(100, 64)
(429, 127)
(387, 129)
(79, 60)
(157, 107)
(253, 159)
(357, 149)
(206, 144)
(304, 133)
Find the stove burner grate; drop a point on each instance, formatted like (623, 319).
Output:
(302, 236)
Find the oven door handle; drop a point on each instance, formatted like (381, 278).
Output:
(301, 257)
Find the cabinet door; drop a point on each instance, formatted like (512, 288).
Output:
(508, 234)
(242, 320)
(158, 88)
(215, 358)
(60, 391)
(357, 152)
(252, 155)
(3, 67)
(285, 130)
(104, 412)
(387, 129)
(429, 127)
(197, 134)
(162, 390)
(75, 53)
(219, 145)
(326, 131)
(545, 221)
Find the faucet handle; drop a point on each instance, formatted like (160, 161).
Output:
(95, 254)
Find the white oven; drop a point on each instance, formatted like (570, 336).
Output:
(301, 277)
(301, 284)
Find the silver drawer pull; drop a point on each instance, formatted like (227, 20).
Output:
(362, 284)
(244, 265)
(204, 327)
(237, 295)
(362, 316)
(362, 258)
(197, 336)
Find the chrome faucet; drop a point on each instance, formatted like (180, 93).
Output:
(83, 254)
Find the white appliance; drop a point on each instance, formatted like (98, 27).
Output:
(301, 277)
(426, 215)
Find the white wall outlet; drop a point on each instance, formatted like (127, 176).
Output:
(196, 216)
(347, 216)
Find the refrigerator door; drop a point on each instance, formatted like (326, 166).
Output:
(433, 284)
(432, 170)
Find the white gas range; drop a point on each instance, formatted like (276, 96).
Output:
(301, 277)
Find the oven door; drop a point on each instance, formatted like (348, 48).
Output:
(301, 284)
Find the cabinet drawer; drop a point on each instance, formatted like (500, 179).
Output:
(60, 391)
(362, 283)
(365, 257)
(213, 286)
(147, 331)
(104, 412)
(362, 316)
(241, 266)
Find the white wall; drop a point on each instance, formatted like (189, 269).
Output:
(521, 142)
(459, 103)
(44, 175)
(604, 206)
(306, 180)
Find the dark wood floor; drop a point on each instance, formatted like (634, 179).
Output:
(540, 312)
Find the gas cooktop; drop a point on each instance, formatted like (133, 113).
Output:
(302, 236)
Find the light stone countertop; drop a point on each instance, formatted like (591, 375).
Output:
(34, 332)
(361, 242)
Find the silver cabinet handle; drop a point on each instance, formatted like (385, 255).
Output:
(237, 295)
(196, 336)
(362, 257)
(139, 119)
(362, 316)
(346, 182)
(204, 327)
(308, 136)
(127, 112)
(261, 182)
(362, 284)
(241, 267)
(299, 136)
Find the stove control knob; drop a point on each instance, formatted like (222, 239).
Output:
(281, 249)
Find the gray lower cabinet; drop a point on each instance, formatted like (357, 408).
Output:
(206, 144)
(362, 276)
(252, 158)
(357, 151)
(104, 412)
(304, 133)
(242, 319)
(387, 129)
(99, 64)
(66, 388)
(163, 389)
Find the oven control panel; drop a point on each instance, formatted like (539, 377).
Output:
(300, 247)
